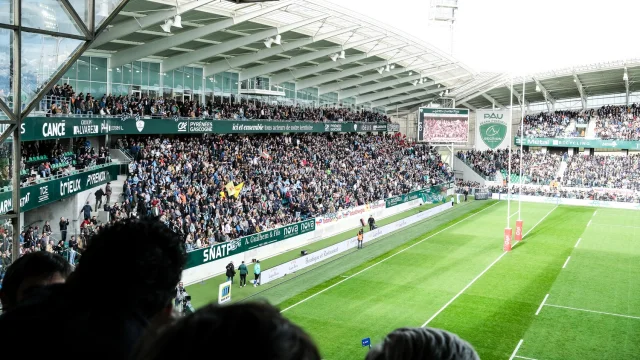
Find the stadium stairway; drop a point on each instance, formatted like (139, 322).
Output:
(570, 128)
(116, 196)
(591, 130)
(561, 169)
(468, 174)
(499, 178)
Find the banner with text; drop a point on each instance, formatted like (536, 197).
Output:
(237, 246)
(432, 195)
(47, 192)
(581, 143)
(40, 128)
(491, 129)
(439, 125)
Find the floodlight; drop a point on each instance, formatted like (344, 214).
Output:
(277, 40)
(380, 70)
(268, 42)
(177, 21)
(166, 27)
(342, 56)
(334, 57)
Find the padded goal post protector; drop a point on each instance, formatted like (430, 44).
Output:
(518, 230)
(507, 239)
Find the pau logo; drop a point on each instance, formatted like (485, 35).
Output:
(139, 125)
(493, 129)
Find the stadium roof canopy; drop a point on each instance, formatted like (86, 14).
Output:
(582, 82)
(320, 45)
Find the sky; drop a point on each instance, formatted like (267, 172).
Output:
(519, 36)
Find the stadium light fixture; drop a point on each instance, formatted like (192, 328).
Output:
(277, 40)
(393, 66)
(438, 86)
(537, 88)
(446, 92)
(166, 27)
(414, 82)
(334, 57)
(177, 21)
(268, 42)
(386, 68)
(441, 93)
(342, 55)
(410, 73)
(625, 77)
(380, 70)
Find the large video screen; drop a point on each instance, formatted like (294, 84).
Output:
(438, 125)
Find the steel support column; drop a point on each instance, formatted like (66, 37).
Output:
(583, 95)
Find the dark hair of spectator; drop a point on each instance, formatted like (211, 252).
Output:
(422, 344)
(39, 265)
(141, 260)
(270, 335)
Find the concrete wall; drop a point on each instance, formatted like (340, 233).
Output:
(68, 207)
(468, 174)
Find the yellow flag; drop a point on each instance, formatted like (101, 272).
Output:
(231, 189)
(238, 189)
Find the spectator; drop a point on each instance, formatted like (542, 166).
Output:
(420, 344)
(256, 273)
(231, 272)
(243, 274)
(272, 336)
(64, 224)
(30, 272)
(99, 194)
(103, 326)
(86, 210)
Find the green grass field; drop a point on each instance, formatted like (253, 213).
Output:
(450, 272)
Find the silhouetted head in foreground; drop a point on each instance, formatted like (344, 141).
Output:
(30, 272)
(422, 344)
(257, 330)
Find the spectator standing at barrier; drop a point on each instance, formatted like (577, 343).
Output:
(256, 273)
(108, 191)
(86, 210)
(231, 272)
(372, 223)
(243, 274)
(64, 224)
(360, 238)
(99, 194)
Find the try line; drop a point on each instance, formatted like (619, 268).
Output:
(482, 273)
(593, 311)
(385, 259)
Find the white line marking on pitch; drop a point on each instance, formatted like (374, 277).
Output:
(344, 276)
(595, 212)
(514, 214)
(542, 304)
(566, 262)
(482, 273)
(385, 259)
(589, 223)
(614, 225)
(525, 358)
(594, 311)
(516, 350)
(578, 242)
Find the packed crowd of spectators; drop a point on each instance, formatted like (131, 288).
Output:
(538, 167)
(621, 172)
(461, 184)
(571, 193)
(552, 124)
(72, 103)
(279, 179)
(618, 123)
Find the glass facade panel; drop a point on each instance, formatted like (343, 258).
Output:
(144, 72)
(48, 15)
(99, 69)
(197, 79)
(6, 12)
(136, 73)
(5, 60)
(84, 68)
(178, 80)
(154, 74)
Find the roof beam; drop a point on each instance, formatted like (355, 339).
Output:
(583, 96)
(130, 26)
(493, 101)
(296, 60)
(298, 73)
(475, 95)
(468, 106)
(321, 79)
(625, 78)
(551, 102)
(153, 47)
(345, 84)
(415, 102)
(518, 96)
(387, 93)
(381, 85)
(237, 62)
(177, 61)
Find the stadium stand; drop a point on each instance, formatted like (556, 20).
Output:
(618, 123)
(553, 124)
(284, 179)
(621, 172)
(539, 167)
